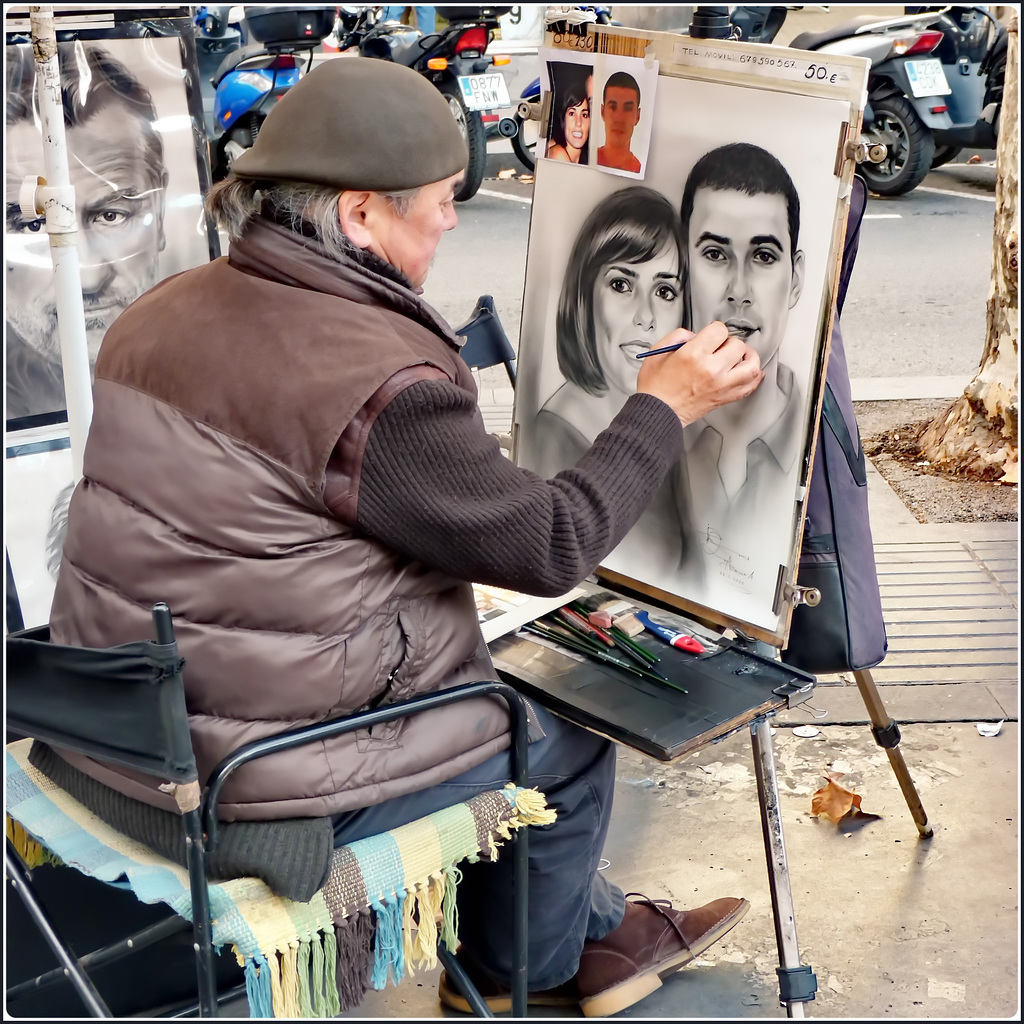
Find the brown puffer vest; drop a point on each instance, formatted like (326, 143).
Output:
(219, 397)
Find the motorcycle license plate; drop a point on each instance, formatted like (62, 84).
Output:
(927, 78)
(484, 92)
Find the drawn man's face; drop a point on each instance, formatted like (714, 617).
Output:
(635, 305)
(740, 267)
(620, 112)
(120, 205)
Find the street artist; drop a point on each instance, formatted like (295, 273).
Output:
(287, 449)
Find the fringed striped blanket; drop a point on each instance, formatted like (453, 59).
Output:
(376, 919)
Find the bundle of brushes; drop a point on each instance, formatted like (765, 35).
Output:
(569, 626)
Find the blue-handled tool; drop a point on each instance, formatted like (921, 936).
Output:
(683, 641)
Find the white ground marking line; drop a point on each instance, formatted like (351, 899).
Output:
(504, 195)
(883, 216)
(959, 195)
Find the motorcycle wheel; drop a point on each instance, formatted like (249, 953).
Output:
(524, 142)
(472, 127)
(909, 159)
(943, 154)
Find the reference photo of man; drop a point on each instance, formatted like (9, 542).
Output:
(741, 221)
(572, 85)
(620, 113)
(116, 165)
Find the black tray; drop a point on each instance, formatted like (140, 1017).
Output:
(727, 688)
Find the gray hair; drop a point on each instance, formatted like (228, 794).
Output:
(235, 201)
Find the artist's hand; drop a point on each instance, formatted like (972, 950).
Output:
(713, 368)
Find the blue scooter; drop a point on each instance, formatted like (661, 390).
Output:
(251, 79)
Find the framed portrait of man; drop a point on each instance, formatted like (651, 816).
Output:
(735, 217)
(137, 161)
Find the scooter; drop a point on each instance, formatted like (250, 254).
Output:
(251, 79)
(908, 103)
(973, 55)
(523, 127)
(218, 32)
(454, 59)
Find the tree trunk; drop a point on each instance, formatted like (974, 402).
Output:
(977, 435)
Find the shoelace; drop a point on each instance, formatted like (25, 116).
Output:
(661, 906)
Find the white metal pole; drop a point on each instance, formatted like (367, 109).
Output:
(55, 198)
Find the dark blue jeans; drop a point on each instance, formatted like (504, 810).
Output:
(569, 900)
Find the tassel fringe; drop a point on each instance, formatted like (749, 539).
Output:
(295, 984)
(388, 954)
(257, 987)
(450, 909)
(326, 974)
(34, 854)
(531, 807)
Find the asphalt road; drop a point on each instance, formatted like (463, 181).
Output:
(916, 305)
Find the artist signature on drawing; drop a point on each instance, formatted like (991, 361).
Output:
(733, 566)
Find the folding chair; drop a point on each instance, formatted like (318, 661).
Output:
(126, 705)
(487, 343)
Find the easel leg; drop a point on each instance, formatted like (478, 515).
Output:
(887, 736)
(797, 983)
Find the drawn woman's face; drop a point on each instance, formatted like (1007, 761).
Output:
(577, 125)
(635, 306)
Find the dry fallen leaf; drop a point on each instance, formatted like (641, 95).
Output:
(526, 179)
(832, 800)
(508, 172)
(975, 159)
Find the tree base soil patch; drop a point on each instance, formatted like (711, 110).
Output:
(890, 432)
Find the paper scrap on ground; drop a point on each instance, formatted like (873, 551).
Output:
(806, 732)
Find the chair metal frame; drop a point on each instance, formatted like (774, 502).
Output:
(198, 807)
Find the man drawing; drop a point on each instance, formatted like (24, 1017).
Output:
(741, 223)
(116, 165)
(620, 112)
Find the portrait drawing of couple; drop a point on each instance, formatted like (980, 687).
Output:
(730, 247)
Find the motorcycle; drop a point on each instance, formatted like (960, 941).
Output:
(973, 55)
(252, 78)
(523, 128)
(454, 59)
(909, 107)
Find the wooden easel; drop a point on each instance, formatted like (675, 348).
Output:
(887, 736)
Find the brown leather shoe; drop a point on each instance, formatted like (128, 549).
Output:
(498, 998)
(653, 941)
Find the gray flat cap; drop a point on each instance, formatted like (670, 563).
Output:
(358, 123)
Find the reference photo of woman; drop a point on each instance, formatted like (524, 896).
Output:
(571, 95)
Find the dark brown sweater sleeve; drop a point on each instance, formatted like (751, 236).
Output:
(435, 486)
